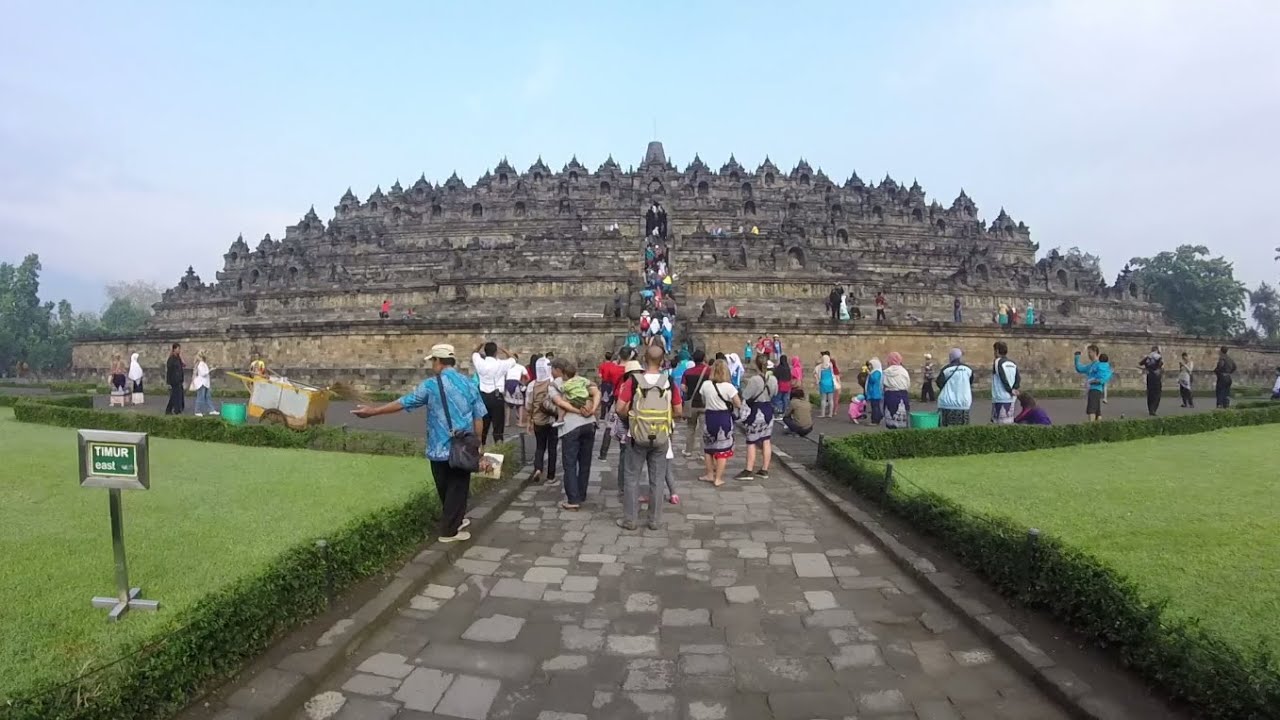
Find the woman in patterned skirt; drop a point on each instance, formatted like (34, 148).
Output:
(721, 399)
(758, 391)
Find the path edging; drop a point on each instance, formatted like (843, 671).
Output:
(276, 692)
(1062, 684)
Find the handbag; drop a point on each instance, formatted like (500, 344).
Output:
(464, 446)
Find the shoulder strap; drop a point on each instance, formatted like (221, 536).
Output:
(444, 402)
(1000, 363)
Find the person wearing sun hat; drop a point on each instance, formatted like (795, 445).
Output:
(465, 412)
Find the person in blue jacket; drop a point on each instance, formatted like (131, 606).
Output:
(1098, 373)
(875, 391)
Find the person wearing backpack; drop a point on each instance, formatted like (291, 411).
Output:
(540, 414)
(650, 405)
(1005, 382)
(691, 387)
(1153, 366)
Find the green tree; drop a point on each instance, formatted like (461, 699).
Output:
(1200, 293)
(1266, 310)
(123, 316)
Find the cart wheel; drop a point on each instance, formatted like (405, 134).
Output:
(272, 417)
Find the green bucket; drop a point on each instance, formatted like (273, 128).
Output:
(233, 413)
(924, 419)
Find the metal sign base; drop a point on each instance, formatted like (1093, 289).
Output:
(118, 608)
(126, 598)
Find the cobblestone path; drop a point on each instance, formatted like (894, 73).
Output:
(753, 602)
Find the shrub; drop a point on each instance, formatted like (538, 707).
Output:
(71, 401)
(1190, 664)
(228, 628)
(984, 439)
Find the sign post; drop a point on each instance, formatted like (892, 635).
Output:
(117, 461)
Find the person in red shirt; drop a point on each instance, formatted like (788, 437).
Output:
(692, 381)
(881, 304)
(610, 374)
(385, 312)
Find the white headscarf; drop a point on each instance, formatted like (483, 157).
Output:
(735, 365)
(135, 370)
(542, 369)
(875, 364)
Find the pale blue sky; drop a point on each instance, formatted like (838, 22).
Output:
(139, 137)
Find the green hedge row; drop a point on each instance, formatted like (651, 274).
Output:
(985, 439)
(228, 628)
(1070, 393)
(1190, 664)
(71, 401)
(210, 430)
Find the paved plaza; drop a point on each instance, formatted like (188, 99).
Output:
(754, 601)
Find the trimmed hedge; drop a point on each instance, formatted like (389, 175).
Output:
(71, 401)
(985, 439)
(226, 629)
(1190, 664)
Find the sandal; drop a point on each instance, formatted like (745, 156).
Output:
(717, 484)
(569, 506)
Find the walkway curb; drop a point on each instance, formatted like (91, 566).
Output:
(1060, 683)
(276, 692)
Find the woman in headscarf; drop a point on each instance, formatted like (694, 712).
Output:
(135, 378)
(668, 332)
(539, 415)
(782, 371)
(844, 306)
(682, 365)
(897, 393)
(825, 375)
(758, 392)
(875, 390)
(797, 372)
(735, 369)
(1031, 314)
(955, 390)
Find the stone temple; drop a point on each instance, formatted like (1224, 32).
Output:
(534, 258)
(545, 244)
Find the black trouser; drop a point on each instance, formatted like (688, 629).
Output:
(1185, 392)
(575, 447)
(1223, 391)
(547, 439)
(927, 393)
(496, 418)
(604, 444)
(835, 310)
(454, 487)
(879, 315)
(1154, 388)
(176, 400)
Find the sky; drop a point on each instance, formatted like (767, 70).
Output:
(138, 138)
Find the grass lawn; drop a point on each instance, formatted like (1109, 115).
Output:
(1195, 519)
(215, 513)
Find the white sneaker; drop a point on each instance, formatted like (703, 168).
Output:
(199, 414)
(459, 537)
(213, 412)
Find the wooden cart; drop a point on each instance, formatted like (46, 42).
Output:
(280, 401)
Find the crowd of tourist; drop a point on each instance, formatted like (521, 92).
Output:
(840, 306)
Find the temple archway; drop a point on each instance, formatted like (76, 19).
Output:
(842, 235)
(749, 208)
(917, 214)
(436, 211)
(604, 188)
(1064, 280)
(877, 212)
(477, 210)
(795, 259)
(746, 191)
(983, 273)
(655, 186)
(703, 189)
(521, 210)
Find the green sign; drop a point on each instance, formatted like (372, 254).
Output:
(106, 459)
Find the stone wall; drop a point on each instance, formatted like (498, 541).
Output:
(389, 354)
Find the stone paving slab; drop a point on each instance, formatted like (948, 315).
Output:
(753, 600)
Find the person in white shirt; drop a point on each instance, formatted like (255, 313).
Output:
(203, 387)
(491, 370)
(720, 398)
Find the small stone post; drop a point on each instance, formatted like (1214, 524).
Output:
(323, 547)
(888, 478)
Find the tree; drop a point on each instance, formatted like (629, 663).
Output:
(123, 316)
(37, 334)
(1200, 293)
(140, 293)
(1266, 310)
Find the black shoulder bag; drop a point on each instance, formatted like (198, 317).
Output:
(464, 446)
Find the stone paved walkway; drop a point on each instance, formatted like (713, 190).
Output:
(754, 602)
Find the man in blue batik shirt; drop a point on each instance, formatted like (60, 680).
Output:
(466, 410)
